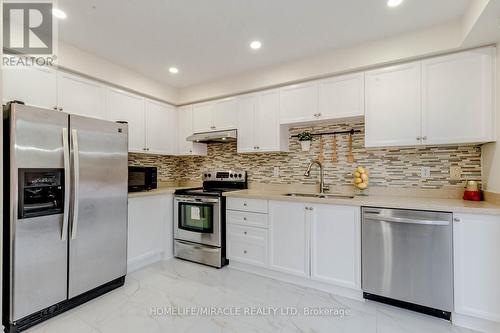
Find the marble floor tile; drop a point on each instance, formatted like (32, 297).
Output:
(156, 298)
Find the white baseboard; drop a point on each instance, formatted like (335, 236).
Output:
(477, 324)
(136, 263)
(355, 294)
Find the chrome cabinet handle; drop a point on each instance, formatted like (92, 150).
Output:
(244, 219)
(456, 219)
(67, 181)
(419, 138)
(245, 251)
(245, 204)
(424, 138)
(76, 174)
(54, 108)
(244, 232)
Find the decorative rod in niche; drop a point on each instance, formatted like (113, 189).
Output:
(332, 133)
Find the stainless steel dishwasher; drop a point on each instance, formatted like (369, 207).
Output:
(407, 259)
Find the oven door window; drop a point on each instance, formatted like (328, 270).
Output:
(196, 217)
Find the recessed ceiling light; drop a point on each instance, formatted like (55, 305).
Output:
(255, 45)
(394, 3)
(173, 70)
(59, 13)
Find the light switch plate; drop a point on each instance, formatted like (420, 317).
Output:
(276, 172)
(455, 172)
(425, 172)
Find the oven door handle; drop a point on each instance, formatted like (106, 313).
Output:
(196, 200)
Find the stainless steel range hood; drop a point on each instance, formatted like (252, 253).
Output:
(219, 136)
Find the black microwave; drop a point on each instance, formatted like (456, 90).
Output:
(141, 178)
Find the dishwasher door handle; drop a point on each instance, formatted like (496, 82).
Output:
(377, 217)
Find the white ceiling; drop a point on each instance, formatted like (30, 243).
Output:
(208, 39)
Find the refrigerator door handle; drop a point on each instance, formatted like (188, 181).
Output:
(65, 139)
(76, 184)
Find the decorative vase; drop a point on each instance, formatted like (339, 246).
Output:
(306, 145)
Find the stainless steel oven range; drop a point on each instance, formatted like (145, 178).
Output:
(200, 218)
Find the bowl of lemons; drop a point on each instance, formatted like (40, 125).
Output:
(361, 179)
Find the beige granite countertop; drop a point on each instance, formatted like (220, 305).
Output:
(163, 188)
(453, 205)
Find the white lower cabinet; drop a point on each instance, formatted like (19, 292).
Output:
(289, 235)
(336, 245)
(321, 243)
(477, 266)
(150, 230)
(247, 244)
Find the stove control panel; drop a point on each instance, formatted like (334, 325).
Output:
(227, 176)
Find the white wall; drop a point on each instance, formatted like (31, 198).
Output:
(491, 151)
(79, 61)
(418, 44)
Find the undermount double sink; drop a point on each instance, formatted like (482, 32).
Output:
(319, 195)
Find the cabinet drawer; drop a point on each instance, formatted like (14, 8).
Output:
(246, 218)
(249, 205)
(247, 245)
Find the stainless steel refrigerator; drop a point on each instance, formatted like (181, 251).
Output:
(65, 223)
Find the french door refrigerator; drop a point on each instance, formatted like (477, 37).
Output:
(65, 229)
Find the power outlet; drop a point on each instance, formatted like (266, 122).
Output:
(276, 172)
(455, 172)
(425, 172)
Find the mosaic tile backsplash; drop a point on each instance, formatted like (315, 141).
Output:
(388, 167)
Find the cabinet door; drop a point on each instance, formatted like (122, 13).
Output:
(80, 96)
(123, 106)
(246, 123)
(299, 103)
(393, 106)
(336, 245)
(203, 117)
(267, 127)
(476, 265)
(185, 129)
(225, 114)
(289, 237)
(35, 86)
(457, 97)
(342, 97)
(150, 230)
(161, 128)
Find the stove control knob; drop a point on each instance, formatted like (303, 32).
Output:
(240, 175)
(231, 175)
(206, 175)
(209, 175)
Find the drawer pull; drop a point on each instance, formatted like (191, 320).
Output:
(245, 204)
(244, 232)
(245, 251)
(244, 219)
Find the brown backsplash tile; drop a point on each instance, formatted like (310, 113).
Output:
(388, 167)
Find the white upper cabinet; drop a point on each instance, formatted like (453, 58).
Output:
(161, 128)
(215, 116)
(393, 106)
(246, 123)
(258, 123)
(441, 100)
(299, 103)
(457, 97)
(336, 245)
(476, 250)
(80, 96)
(342, 97)
(225, 116)
(289, 237)
(124, 106)
(185, 129)
(269, 135)
(35, 86)
(203, 117)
